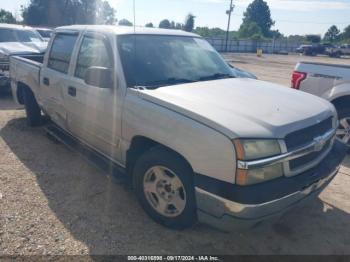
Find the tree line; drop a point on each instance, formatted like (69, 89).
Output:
(257, 22)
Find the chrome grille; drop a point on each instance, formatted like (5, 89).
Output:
(304, 160)
(307, 135)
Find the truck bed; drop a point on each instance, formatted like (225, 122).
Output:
(325, 70)
(25, 70)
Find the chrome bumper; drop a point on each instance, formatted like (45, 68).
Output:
(230, 215)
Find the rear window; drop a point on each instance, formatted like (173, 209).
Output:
(15, 35)
(61, 52)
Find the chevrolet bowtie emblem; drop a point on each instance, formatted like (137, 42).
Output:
(319, 143)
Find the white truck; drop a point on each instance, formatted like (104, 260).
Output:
(164, 107)
(20, 41)
(331, 82)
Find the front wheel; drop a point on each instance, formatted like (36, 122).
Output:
(343, 131)
(163, 183)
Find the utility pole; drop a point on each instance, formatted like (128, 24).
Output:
(229, 12)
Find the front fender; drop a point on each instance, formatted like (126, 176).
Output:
(208, 151)
(337, 91)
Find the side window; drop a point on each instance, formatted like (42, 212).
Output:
(93, 52)
(61, 52)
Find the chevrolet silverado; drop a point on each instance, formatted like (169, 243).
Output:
(198, 143)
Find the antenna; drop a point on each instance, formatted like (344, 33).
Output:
(134, 6)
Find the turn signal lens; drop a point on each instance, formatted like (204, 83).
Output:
(259, 175)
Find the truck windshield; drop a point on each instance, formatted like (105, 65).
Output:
(152, 61)
(14, 35)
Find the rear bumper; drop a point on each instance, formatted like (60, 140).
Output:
(228, 214)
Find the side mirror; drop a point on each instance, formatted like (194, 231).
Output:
(99, 76)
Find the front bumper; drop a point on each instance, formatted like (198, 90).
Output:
(247, 206)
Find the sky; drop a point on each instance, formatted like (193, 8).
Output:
(291, 16)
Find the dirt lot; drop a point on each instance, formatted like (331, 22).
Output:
(53, 202)
(276, 68)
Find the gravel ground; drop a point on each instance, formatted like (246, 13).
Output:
(54, 202)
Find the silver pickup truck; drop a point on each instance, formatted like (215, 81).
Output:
(331, 82)
(198, 143)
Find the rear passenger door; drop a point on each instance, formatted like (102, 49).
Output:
(94, 113)
(54, 76)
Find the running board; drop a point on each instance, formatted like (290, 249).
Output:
(94, 157)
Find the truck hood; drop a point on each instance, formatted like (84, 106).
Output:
(243, 107)
(18, 48)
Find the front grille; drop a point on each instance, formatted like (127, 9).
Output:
(304, 160)
(307, 135)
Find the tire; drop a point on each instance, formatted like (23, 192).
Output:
(32, 108)
(343, 132)
(157, 164)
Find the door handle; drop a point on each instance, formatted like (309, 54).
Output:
(72, 91)
(46, 81)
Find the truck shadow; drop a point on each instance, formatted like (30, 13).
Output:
(7, 103)
(107, 219)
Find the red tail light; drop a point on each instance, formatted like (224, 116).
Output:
(297, 78)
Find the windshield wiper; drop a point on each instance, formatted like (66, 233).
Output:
(169, 81)
(216, 76)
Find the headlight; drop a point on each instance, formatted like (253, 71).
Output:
(254, 149)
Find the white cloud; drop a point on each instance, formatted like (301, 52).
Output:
(294, 5)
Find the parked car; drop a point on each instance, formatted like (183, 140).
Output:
(197, 142)
(313, 50)
(17, 40)
(45, 33)
(338, 51)
(331, 82)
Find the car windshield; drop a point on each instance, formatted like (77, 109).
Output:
(152, 61)
(15, 35)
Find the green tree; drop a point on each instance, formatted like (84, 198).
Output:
(259, 12)
(179, 26)
(7, 17)
(250, 29)
(189, 23)
(297, 38)
(63, 12)
(332, 34)
(165, 24)
(149, 25)
(125, 22)
(346, 34)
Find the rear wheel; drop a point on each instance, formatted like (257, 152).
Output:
(32, 108)
(163, 183)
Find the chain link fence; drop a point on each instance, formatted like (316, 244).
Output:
(251, 46)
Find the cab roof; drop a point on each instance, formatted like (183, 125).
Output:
(125, 30)
(13, 26)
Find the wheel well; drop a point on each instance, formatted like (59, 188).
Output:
(139, 146)
(20, 92)
(341, 102)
